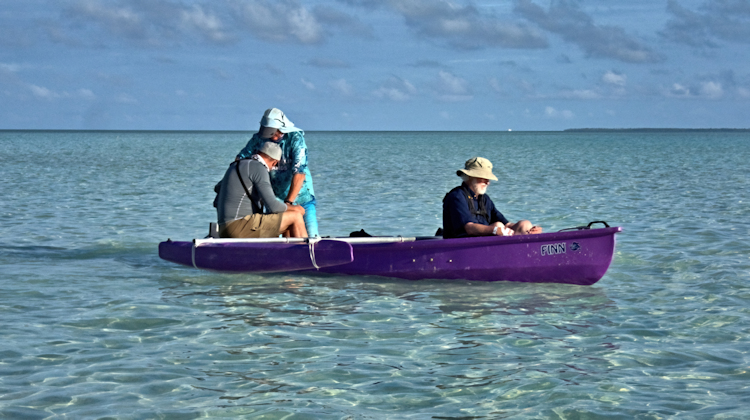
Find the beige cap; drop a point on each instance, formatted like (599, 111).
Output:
(478, 167)
(271, 149)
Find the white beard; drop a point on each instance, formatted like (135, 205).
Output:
(478, 188)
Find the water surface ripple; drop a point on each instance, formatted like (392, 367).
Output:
(95, 325)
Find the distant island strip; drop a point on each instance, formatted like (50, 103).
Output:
(655, 130)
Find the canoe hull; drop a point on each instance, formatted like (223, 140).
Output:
(257, 257)
(574, 257)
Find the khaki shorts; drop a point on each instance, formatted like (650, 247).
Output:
(253, 226)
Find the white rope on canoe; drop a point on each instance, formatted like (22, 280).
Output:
(193, 254)
(311, 244)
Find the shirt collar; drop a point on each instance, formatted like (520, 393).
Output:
(260, 159)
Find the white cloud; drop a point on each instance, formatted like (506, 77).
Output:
(396, 89)
(567, 19)
(330, 17)
(464, 26)
(221, 74)
(304, 26)
(706, 90)
(712, 90)
(716, 20)
(164, 22)
(342, 87)
(48, 94)
(10, 68)
(679, 90)
(120, 20)
(279, 21)
(613, 78)
(452, 88)
(309, 85)
(392, 94)
(86, 94)
(208, 24)
(121, 15)
(150, 23)
(526, 86)
(124, 98)
(495, 85)
(43, 92)
(328, 63)
(452, 83)
(580, 94)
(551, 112)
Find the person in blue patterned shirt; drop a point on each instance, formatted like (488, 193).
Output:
(291, 180)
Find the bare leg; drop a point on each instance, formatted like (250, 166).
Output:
(522, 227)
(292, 224)
(298, 229)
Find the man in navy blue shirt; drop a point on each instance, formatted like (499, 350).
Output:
(469, 211)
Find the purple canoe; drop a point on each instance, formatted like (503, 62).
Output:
(573, 257)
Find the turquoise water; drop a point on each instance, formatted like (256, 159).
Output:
(95, 325)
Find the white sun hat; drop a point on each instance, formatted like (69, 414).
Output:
(274, 119)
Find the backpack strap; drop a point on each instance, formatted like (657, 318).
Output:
(482, 203)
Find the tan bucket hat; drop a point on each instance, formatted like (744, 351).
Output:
(478, 167)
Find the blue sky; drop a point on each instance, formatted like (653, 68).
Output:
(374, 64)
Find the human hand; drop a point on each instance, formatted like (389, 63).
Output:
(535, 229)
(502, 230)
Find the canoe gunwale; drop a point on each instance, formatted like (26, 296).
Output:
(474, 240)
(574, 257)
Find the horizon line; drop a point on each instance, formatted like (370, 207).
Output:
(592, 129)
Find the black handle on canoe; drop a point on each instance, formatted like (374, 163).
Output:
(598, 221)
(585, 227)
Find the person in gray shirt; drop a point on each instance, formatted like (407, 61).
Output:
(247, 206)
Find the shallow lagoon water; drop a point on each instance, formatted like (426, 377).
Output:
(95, 325)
